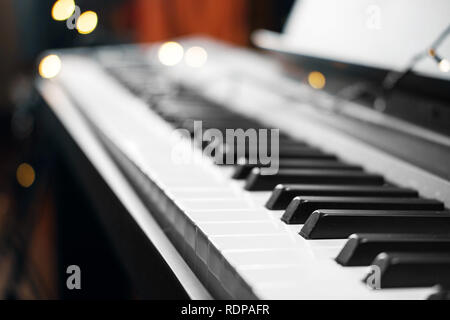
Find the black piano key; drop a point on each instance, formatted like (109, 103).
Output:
(243, 168)
(185, 107)
(299, 149)
(282, 195)
(179, 120)
(288, 143)
(238, 151)
(304, 153)
(300, 208)
(186, 114)
(361, 249)
(283, 142)
(298, 152)
(402, 270)
(259, 182)
(340, 224)
(190, 125)
(442, 292)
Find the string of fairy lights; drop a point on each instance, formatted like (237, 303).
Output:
(50, 66)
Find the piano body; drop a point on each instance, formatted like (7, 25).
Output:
(357, 209)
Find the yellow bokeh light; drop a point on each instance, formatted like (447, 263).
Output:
(25, 175)
(196, 57)
(170, 53)
(87, 22)
(316, 80)
(444, 65)
(63, 9)
(50, 66)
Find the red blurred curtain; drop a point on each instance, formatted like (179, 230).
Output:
(155, 20)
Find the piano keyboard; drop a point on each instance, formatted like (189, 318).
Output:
(311, 231)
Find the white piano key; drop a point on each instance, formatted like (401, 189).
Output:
(249, 242)
(240, 228)
(259, 197)
(263, 257)
(179, 183)
(277, 214)
(320, 281)
(219, 244)
(195, 193)
(209, 229)
(227, 171)
(228, 216)
(296, 291)
(215, 204)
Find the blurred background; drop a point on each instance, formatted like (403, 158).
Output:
(38, 199)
